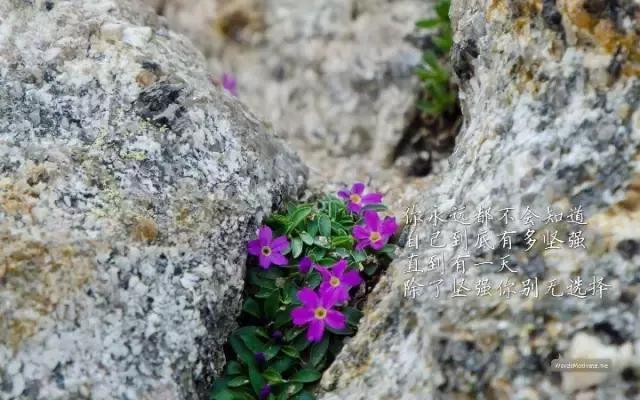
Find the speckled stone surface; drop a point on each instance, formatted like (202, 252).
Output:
(129, 184)
(550, 96)
(334, 77)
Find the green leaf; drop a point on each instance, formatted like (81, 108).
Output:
(293, 388)
(238, 381)
(224, 395)
(241, 350)
(428, 23)
(233, 368)
(272, 304)
(306, 375)
(251, 307)
(290, 351)
(272, 376)
(313, 279)
(342, 241)
(271, 351)
(298, 215)
(312, 228)
(304, 396)
(317, 351)
(317, 253)
(306, 238)
(282, 364)
(353, 315)
(324, 224)
(252, 342)
(256, 379)
(296, 247)
(442, 9)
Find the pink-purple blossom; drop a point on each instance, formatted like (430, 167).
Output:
(316, 312)
(268, 250)
(338, 281)
(305, 264)
(357, 198)
(374, 233)
(265, 391)
(230, 84)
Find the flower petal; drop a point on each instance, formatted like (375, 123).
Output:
(301, 315)
(265, 235)
(362, 244)
(305, 264)
(378, 244)
(265, 261)
(344, 194)
(351, 278)
(360, 232)
(358, 188)
(308, 297)
(354, 207)
(330, 298)
(372, 220)
(254, 248)
(372, 198)
(316, 330)
(339, 267)
(335, 319)
(280, 243)
(326, 275)
(278, 259)
(389, 226)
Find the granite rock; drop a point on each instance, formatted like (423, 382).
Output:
(550, 96)
(335, 77)
(129, 185)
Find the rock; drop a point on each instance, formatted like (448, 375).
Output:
(587, 346)
(335, 77)
(550, 107)
(129, 185)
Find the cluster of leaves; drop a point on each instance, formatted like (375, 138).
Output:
(268, 351)
(440, 94)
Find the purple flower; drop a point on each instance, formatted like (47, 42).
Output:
(357, 199)
(316, 311)
(265, 391)
(305, 264)
(260, 358)
(230, 84)
(269, 251)
(337, 282)
(374, 233)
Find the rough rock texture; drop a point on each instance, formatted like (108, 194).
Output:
(551, 119)
(335, 77)
(128, 187)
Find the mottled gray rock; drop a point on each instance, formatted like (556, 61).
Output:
(550, 95)
(129, 185)
(335, 77)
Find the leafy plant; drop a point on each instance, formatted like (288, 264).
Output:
(300, 294)
(439, 95)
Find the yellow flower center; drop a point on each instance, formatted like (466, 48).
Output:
(320, 312)
(266, 250)
(334, 281)
(355, 198)
(374, 236)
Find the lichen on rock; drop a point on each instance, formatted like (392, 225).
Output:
(128, 186)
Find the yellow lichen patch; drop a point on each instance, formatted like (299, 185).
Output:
(35, 277)
(145, 230)
(621, 220)
(238, 20)
(601, 32)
